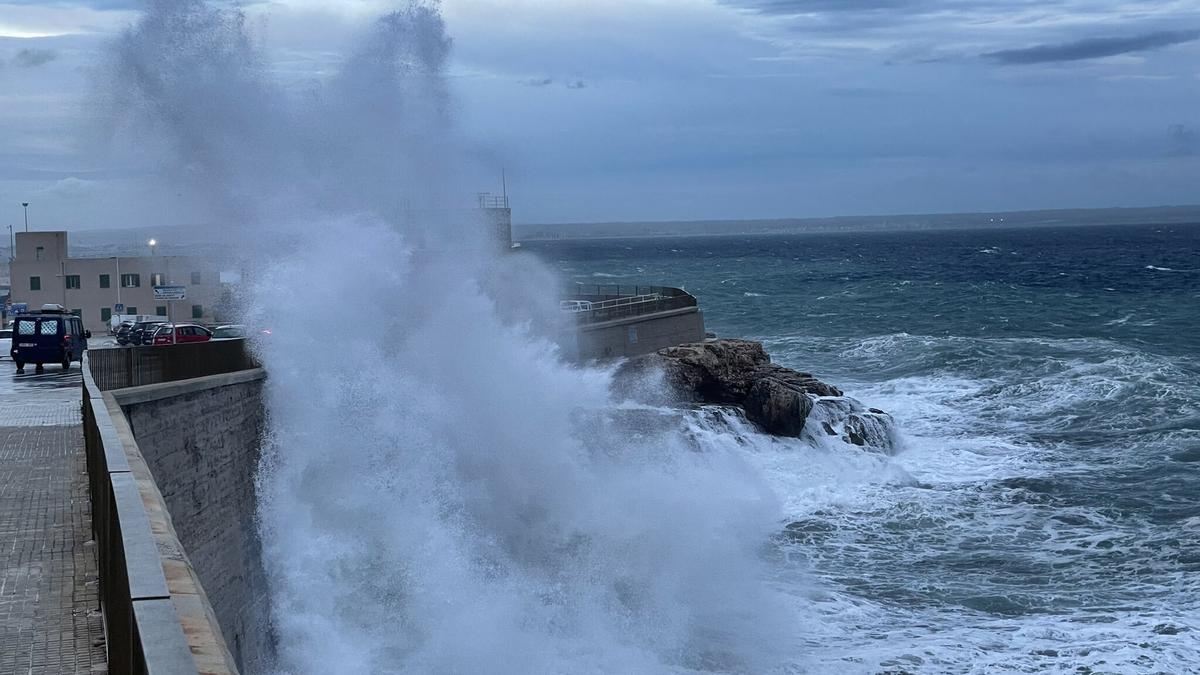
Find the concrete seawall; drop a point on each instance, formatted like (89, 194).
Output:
(200, 439)
(171, 469)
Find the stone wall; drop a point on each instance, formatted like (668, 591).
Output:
(638, 335)
(200, 439)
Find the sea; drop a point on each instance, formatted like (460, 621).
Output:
(1041, 509)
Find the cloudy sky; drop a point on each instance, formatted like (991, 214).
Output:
(690, 109)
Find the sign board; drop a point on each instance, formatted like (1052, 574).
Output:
(170, 292)
(18, 308)
(118, 308)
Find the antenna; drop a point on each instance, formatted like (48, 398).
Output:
(504, 185)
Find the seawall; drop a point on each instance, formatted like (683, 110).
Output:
(171, 467)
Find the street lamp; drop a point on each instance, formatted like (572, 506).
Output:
(25, 205)
(153, 244)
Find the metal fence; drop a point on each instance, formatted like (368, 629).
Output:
(136, 366)
(607, 302)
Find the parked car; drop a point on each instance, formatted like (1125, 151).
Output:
(117, 320)
(122, 332)
(49, 336)
(142, 332)
(180, 333)
(5, 342)
(230, 332)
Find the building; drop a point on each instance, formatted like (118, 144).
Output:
(95, 289)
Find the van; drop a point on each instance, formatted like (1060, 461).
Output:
(49, 336)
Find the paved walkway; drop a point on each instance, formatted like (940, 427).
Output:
(50, 623)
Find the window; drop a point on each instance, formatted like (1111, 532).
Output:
(197, 311)
(26, 328)
(35, 283)
(196, 279)
(131, 310)
(131, 281)
(161, 310)
(72, 281)
(41, 253)
(104, 281)
(48, 327)
(158, 279)
(105, 314)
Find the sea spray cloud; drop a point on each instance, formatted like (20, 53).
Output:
(439, 492)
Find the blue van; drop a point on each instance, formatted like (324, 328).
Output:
(49, 336)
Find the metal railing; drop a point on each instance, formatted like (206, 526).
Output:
(608, 302)
(488, 200)
(136, 366)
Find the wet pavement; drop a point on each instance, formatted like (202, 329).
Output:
(50, 622)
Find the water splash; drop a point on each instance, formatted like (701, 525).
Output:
(439, 492)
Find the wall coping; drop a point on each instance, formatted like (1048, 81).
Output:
(639, 318)
(177, 631)
(157, 392)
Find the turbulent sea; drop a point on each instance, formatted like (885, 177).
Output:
(1042, 511)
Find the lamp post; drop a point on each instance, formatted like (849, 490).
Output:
(25, 205)
(12, 248)
(153, 243)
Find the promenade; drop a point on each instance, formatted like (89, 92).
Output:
(50, 623)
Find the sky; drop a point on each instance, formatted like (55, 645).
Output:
(618, 110)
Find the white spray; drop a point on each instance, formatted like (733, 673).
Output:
(440, 493)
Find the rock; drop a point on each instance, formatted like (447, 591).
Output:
(719, 371)
(780, 407)
(740, 373)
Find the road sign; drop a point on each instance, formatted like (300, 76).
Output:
(170, 292)
(19, 308)
(118, 308)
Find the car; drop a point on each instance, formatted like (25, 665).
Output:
(5, 342)
(229, 332)
(180, 334)
(142, 332)
(51, 335)
(122, 332)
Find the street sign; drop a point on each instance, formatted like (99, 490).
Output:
(19, 308)
(118, 308)
(170, 292)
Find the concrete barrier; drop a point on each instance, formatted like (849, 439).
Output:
(157, 617)
(200, 439)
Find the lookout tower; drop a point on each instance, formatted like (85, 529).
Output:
(498, 217)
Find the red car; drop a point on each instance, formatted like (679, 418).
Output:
(181, 333)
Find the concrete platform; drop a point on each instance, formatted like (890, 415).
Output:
(50, 623)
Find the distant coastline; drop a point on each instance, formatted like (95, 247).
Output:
(1159, 215)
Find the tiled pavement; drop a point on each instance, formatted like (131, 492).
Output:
(50, 622)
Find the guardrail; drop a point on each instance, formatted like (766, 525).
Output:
(145, 633)
(611, 302)
(123, 367)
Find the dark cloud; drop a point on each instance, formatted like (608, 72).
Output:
(32, 58)
(1093, 48)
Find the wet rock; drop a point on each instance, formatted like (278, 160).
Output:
(740, 373)
(718, 371)
(778, 406)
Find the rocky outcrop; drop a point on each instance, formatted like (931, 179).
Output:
(781, 401)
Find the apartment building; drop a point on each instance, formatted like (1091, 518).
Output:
(43, 272)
